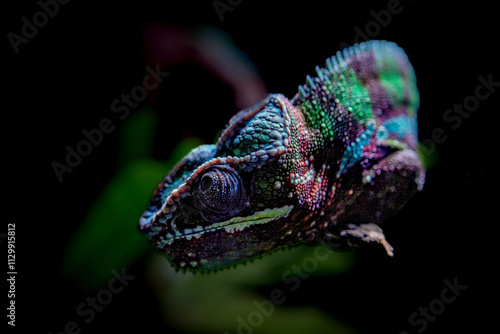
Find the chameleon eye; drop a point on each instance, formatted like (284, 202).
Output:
(219, 193)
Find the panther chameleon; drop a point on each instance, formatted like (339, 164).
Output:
(327, 166)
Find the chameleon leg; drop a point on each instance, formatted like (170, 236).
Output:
(368, 233)
(384, 189)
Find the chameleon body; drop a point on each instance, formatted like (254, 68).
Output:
(327, 166)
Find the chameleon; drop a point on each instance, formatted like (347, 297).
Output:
(328, 166)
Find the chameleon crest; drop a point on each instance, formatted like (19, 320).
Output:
(327, 166)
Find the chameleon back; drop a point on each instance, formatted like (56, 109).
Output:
(369, 82)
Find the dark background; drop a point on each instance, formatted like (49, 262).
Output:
(65, 78)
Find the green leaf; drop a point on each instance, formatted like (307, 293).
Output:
(428, 154)
(108, 237)
(269, 269)
(227, 300)
(137, 136)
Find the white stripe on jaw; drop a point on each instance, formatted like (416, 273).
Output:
(235, 224)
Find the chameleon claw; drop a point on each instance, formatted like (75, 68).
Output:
(369, 233)
(388, 248)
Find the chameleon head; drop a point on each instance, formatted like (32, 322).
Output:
(223, 203)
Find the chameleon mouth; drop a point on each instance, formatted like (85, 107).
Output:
(233, 225)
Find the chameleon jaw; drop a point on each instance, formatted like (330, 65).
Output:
(233, 225)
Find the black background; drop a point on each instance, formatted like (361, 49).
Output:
(65, 78)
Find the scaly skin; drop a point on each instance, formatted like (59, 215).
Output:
(327, 166)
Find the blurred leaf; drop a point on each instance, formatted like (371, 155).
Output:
(428, 154)
(269, 269)
(221, 301)
(137, 136)
(226, 310)
(108, 238)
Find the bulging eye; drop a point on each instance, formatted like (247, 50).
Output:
(219, 193)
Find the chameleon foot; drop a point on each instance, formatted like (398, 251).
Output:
(369, 233)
